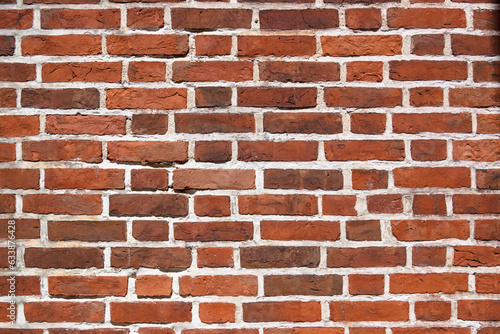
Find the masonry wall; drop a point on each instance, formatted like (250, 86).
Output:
(251, 167)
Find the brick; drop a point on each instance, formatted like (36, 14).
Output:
(82, 72)
(17, 72)
(150, 152)
(139, 45)
(482, 310)
(214, 179)
(299, 71)
(487, 283)
(212, 206)
(149, 124)
(305, 19)
(213, 97)
(474, 45)
(487, 230)
(64, 312)
(429, 256)
(369, 179)
(146, 71)
(390, 203)
(8, 97)
(431, 330)
(363, 230)
(212, 71)
(369, 311)
(212, 151)
(367, 330)
(359, 45)
(155, 330)
(158, 205)
(150, 312)
(322, 123)
(213, 45)
(69, 98)
(153, 286)
(88, 286)
(422, 45)
(64, 258)
(84, 178)
(149, 179)
(474, 97)
(24, 285)
(80, 18)
(215, 257)
(7, 203)
(366, 257)
(89, 331)
(287, 205)
(25, 229)
(17, 178)
(213, 231)
(145, 18)
(300, 230)
(421, 177)
(150, 230)
(486, 71)
(304, 330)
(488, 179)
(366, 284)
(485, 19)
(85, 124)
(343, 205)
(87, 230)
(222, 331)
(167, 259)
(279, 257)
(146, 98)
(476, 256)
(217, 312)
(428, 150)
(62, 150)
(290, 311)
(228, 285)
(61, 45)
(309, 285)
(62, 204)
(415, 18)
(16, 19)
(250, 46)
(365, 71)
(428, 283)
(488, 330)
(420, 70)
(214, 122)
(361, 97)
(311, 179)
(476, 150)
(429, 205)
(280, 97)
(363, 18)
(364, 150)
(277, 151)
(476, 204)
(368, 123)
(194, 19)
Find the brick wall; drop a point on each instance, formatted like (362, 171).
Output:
(250, 167)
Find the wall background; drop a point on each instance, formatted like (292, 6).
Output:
(250, 167)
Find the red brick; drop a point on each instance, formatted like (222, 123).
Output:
(473, 204)
(367, 330)
(488, 179)
(212, 206)
(277, 151)
(151, 152)
(428, 283)
(414, 18)
(61, 45)
(475, 45)
(476, 150)
(88, 286)
(343, 205)
(431, 330)
(290, 311)
(422, 177)
(363, 150)
(366, 284)
(145, 18)
(65, 258)
(16, 19)
(309, 285)
(433, 310)
(487, 229)
(214, 179)
(366, 257)
(149, 179)
(213, 45)
(363, 18)
(243, 285)
(280, 97)
(486, 71)
(153, 286)
(488, 283)
(7, 96)
(62, 204)
(427, 44)
(213, 97)
(323, 123)
(7, 203)
(217, 312)
(158, 205)
(18, 72)
(150, 312)
(85, 124)
(429, 256)
(368, 123)
(305, 330)
(152, 45)
(168, 258)
(485, 19)
(87, 230)
(482, 310)
(212, 71)
(365, 71)
(146, 98)
(150, 230)
(212, 151)
(17, 178)
(369, 179)
(215, 257)
(213, 231)
(279, 257)
(196, 19)
(60, 98)
(420, 70)
(428, 150)
(149, 124)
(363, 230)
(476, 256)
(429, 205)
(359, 45)
(84, 178)
(302, 205)
(311, 179)
(82, 72)
(299, 71)
(146, 71)
(64, 312)
(300, 230)
(80, 18)
(25, 228)
(389, 203)
(214, 122)
(276, 46)
(369, 311)
(361, 97)
(24, 286)
(474, 97)
(305, 19)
